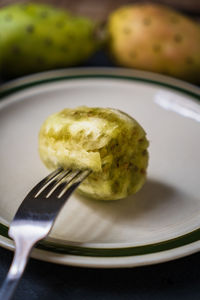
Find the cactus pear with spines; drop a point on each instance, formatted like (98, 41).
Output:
(37, 37)
(155, 38)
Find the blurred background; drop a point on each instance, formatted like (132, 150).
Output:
(100, 9)
(160, 36)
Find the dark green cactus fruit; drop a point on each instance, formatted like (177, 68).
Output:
(37, 37)
(107, 141)
(155, 38)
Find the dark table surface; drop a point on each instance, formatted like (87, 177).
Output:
(179, 279)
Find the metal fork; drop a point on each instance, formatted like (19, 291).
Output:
(35, 218)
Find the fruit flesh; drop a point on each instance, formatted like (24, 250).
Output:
(107, 141)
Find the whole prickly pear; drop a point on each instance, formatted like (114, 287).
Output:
(37, 37)
(155, 38)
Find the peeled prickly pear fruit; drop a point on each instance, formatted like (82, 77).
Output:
(107, 141)
(37, 37)
(155, 38)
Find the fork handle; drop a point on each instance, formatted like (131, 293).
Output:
(16, 270)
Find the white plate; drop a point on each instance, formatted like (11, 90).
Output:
(159, 223)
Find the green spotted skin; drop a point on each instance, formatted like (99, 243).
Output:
(107, 141)
(37, 37)
(155, 38)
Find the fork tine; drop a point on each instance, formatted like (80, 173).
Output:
(53, 183)
(63, 184)
(66, 188)
(44, 182)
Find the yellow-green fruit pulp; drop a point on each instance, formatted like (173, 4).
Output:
(155, 38)
(107, 141)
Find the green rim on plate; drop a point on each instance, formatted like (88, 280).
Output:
(60, 248)
(114, 252)
(8, 91)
